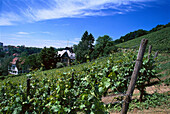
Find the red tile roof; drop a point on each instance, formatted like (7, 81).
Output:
(15, 60)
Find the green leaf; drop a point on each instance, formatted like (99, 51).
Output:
(114, 68)
(82, 106)
(106, 82)
(66, 109)
(92, 112)
(55, 108)
(17, 99)
(100, 89)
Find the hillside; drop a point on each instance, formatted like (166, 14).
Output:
(159, 40)
(93, 86)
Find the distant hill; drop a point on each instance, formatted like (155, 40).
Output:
(160, 40)
(138, 33)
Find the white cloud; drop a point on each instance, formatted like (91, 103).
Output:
(23, 33)
(54, 9)
(35, 42)
(55, 43)
(8, 18)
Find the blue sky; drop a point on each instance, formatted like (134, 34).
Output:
(58, 23)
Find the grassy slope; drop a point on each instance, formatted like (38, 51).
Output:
(159, 40)
(51, 73)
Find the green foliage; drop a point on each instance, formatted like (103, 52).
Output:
(103, 47)
(79, 89)
(59, 65)
(32, 61)
(151, 100)
(2, 54)
(159, 40)
(22, 50)
(131, 35)
(4, 65)
(139, 33)
(85, 47)
(158, 27)
(167, 81)
(48, 58)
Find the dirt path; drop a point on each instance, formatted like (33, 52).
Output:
(162, 88)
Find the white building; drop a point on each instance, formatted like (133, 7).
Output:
(13, 69)
(66, 57)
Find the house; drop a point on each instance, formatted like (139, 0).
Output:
(13, 68)
(66, 57)
(17, 66)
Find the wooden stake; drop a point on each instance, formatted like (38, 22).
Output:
(156, 54)
(149, 51)
(28, 86)
(133, 80)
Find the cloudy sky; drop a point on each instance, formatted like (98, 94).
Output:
(59, 23)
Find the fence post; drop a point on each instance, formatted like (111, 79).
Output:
(149, 51)
(133, 80)
(156, 54)
(48, 91)
(28, 86)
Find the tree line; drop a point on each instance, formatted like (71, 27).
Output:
(6, 56)
(138, 33)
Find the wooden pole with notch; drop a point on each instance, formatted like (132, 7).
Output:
(133, 80)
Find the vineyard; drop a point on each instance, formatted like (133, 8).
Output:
(80, 88)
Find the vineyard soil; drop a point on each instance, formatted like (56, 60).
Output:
(159, 88)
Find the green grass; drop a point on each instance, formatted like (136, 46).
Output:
(160, 41)
(164, 64)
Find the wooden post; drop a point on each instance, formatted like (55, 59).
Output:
(133, 80)
(28, 86)
(149, 51)
(156, 54)
(48, 91)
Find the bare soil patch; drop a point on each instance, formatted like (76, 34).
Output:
(158, 88)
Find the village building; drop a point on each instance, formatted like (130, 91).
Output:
(17, 66)
(66, 57)
(12, 69)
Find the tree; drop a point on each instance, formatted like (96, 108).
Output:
(158, 27)
(48, 58)
(4, 63)
(32, 61)
(131, 35)
(109, 48)
(85, 47)
(104, 46)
